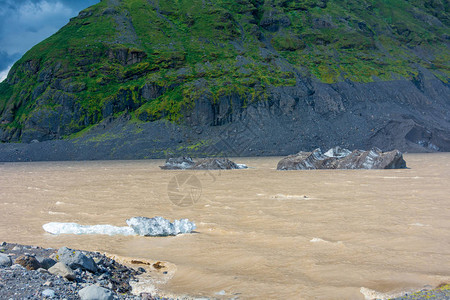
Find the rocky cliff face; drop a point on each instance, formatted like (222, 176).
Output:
(245, 78)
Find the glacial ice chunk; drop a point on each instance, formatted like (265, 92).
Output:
(74, 228)
(157, 226)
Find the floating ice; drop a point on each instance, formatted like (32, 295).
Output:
(74, 228)
(157, 226)
(242, 166)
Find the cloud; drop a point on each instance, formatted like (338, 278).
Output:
(4, 73)
(24, 23)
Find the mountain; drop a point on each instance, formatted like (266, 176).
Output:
(244, 77)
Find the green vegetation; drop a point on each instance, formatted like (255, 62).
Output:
(99, 63)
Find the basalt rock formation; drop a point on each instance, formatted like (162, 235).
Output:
(338, 158)
(151, 79)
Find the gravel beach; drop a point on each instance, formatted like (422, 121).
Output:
(30, 272)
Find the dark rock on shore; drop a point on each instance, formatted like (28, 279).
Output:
(5, 261)
(28, 262)
(111, 280)
(338, 158)
(187, 163)
(76, 259)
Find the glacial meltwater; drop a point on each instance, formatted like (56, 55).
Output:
(260, 233)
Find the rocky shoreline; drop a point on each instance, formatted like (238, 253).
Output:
(30, 272)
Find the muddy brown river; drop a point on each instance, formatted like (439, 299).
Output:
(261, 233)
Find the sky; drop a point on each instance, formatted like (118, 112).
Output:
(24, 23)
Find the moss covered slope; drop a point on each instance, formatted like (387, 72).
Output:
(156, 58)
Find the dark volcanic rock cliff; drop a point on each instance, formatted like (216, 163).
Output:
(138, 78)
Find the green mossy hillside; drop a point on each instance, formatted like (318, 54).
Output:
(156, 58)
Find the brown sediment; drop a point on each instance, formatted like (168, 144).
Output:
(254, 227)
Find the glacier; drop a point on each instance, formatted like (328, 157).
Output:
(157, 226)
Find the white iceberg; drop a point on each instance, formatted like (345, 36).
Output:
(157, 226)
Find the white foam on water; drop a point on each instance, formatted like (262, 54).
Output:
(319, 240)
(419, 225)
(56, 213)
(285, 197)
(221, 293)
(157, 226)
(372, 294)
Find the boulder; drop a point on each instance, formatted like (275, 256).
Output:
(5, 261)
(178, 163)
(46, 262)
(94, 292)
(28, 262)
(339, 158)
(76, 259)
(63, 270)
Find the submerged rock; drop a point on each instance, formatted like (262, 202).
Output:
(339, 158)
(187, 163)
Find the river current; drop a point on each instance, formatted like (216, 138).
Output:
(261, 233)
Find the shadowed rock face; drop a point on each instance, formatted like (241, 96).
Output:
(338, 158)
(185, 163)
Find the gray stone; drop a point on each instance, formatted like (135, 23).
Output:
(43, 271)
(46, 262)
(76, 259)
(63, 270)
(17, 267)
(48, 293)
(93, 292)
(5, 261)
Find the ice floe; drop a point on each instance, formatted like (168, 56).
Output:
(157, 226)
